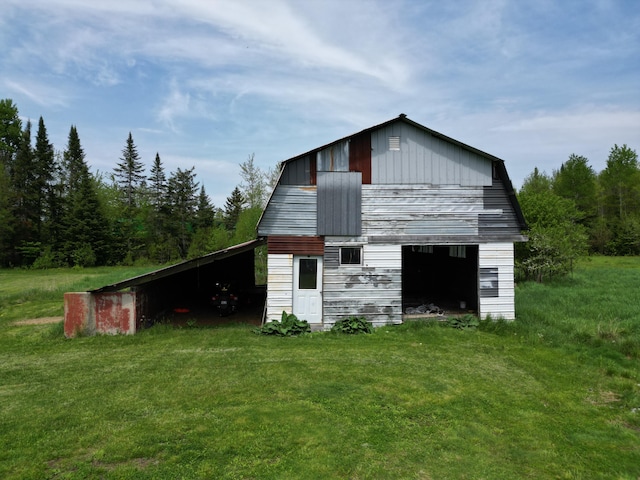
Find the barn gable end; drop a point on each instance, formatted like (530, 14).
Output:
(402, 200)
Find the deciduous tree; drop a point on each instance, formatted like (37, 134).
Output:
(556, 239)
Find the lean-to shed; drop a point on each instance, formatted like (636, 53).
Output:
(387, 220)
(128, 305)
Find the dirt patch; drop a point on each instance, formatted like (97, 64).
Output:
(39, 321)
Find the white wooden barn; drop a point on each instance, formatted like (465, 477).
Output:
(389, 219)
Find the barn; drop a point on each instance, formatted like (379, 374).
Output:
(383, 223)
(394, 219)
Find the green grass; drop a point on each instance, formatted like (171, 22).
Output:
(555, 394)
(26, 294)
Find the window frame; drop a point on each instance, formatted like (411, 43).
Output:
(357, 248)
(489, 279)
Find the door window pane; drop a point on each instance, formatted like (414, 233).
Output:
(308, 278)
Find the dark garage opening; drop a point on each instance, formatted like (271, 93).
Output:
(445, 276)
(182, 293)
(186, 296)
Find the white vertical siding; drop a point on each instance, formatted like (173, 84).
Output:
(279, 285)
(372, 290)
(500, 256)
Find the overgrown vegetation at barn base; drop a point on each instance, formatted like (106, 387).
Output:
(288, 326)
(352, 325)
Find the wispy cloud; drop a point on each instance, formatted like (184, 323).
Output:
(225, 78)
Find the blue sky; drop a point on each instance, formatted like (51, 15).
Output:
(207, 83)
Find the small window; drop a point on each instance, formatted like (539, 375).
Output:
(350, 255)
(458, 251)
(489, 282)
(394, 143)
(308, 274)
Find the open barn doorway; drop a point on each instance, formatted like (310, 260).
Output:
(439, 279)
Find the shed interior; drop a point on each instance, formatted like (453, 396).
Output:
(186, 294)
(440, 275)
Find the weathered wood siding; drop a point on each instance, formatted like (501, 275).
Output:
(402, 210)
(500, 256)
(373, 289)
(424, 159)
(279, 285)
(292, 210)
(503, 222)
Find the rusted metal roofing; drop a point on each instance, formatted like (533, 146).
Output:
(183, 266)
(307, 245)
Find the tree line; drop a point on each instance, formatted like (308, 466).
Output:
(575, 211)
(55, 212)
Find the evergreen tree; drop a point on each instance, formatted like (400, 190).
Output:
(10, 138)
(6, 218)
(128, 173)
(233, 206)
(10, 131)
(183, 202)
(45, 170)
(86, 232)
(24, 200)
(206, 214)
(158, 184)
(130, 181)
(160, 247)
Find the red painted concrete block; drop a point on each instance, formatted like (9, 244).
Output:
(90, 313)
(115, 312)
(77, 314)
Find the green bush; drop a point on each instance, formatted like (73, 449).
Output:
(289, 325)
(352, 325)
(466, 322)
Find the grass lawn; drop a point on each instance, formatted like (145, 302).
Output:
(555, 394)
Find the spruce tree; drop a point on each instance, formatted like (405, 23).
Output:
(45, 170)
(86, 231)
(128, 173)
(233, 206)
(206, 212)
(10, 137)
(183, 202)
(24, 201)
(130, 181)
(157, 184)
(6, 218)
(10, 131)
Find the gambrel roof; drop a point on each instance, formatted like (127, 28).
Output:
(291, 172)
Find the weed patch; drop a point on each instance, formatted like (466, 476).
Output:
(288, 326)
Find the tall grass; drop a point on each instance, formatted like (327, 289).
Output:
(598, 306)
(26, 294)
(552, 395)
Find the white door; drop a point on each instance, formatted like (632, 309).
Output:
(307, 288)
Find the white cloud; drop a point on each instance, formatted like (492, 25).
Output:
(42, 94)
